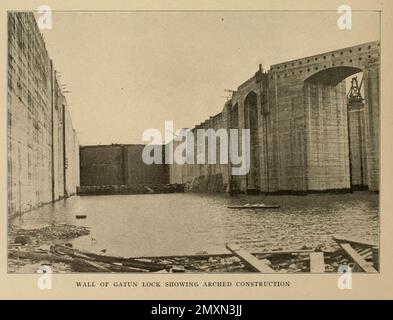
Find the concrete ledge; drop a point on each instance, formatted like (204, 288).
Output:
(129, 189)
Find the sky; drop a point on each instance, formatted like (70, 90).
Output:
(130, 71)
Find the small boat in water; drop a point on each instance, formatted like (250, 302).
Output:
(255, 206)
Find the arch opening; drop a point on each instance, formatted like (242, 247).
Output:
(357, 131)
(335, 98)
(332, 76)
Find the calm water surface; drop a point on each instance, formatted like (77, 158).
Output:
(171, 224)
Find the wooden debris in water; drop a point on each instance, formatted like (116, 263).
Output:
(363, 253)
(317, 262)
(249, 260)
(357, 258)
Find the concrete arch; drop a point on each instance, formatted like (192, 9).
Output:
(227, 106)
(298, 112)
(250, 97)
(333, 76)
(330, 126)
(234, 116)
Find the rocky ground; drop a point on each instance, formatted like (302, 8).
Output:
(39, 241)
(31, 249)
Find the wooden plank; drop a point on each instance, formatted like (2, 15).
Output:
(129, 263)
(225, 255)
(266, 206)
(357, 258)
(249, 260)
(375, 255)
(83, 265)
(60, 249)
(354, 241)
(366, 252)
(317, 262)
(149, 189)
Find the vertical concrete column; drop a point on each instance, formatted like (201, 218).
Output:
(357, 144)
(261, 143)
(327, 138)
(198, 166)
(264, 131)
(195, 165)
(273, 138)
(225, 124)
(233, 123)
(242, 125)
(251, 123)
(371, 77)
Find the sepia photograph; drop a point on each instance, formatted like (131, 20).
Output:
(193, 141)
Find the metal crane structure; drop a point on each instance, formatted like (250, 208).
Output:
(354, 94)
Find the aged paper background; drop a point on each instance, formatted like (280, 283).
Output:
(302, 286)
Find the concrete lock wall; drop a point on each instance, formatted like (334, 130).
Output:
(202, 176)
(118, 165)
(36, 136)
(137, 172)
(58, 140)
(71, 156)
(101, 165)
(301, 128)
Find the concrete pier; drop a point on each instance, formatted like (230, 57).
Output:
(298, 118)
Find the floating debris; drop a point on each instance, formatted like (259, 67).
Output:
(22, 240)
(33, 248)
(51, 232)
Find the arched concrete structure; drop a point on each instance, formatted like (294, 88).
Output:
(300, 122)
(308, 119)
